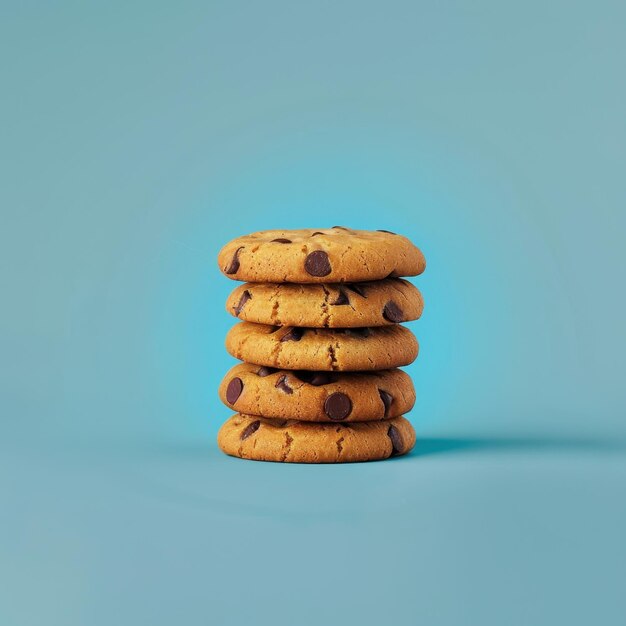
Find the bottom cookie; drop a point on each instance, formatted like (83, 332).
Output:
(291, 441)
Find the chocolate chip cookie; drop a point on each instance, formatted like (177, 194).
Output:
(329, 255)
(291, 441)
(317, 396)
(324, 305)
(324, 349)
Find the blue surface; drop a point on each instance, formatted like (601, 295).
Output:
(138, 138)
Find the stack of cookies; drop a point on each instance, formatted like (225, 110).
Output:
(321, 344)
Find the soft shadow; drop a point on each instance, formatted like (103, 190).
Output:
(206, 450)
(461, 445)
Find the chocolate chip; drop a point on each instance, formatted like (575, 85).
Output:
(266, 371)
(304, 375)
(245, 296)
(387, 399)
(233, 268)
(338, 406)
(316, 233)
(234, 389)
(356, 332)
(281, 383)
(392, 312)
(358, 289)
(250, 429)
(322, 378)
(280, 240)
(315, 378)
(396, 440)
(295, 334)
(317, 263)
(342, 298)
(380, 230)
(341, 227)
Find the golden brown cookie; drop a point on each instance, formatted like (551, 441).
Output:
(325, 349)
(292, 441)
(341, 305)
(317, 396)
(329, 255)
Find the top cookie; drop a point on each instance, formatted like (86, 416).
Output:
(331, 255)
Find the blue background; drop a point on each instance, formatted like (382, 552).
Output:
(139, 137)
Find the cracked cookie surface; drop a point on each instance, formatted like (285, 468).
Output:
(317, 396)
(292, 441)
(323, 349)
(324, 305)
(329, 255)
